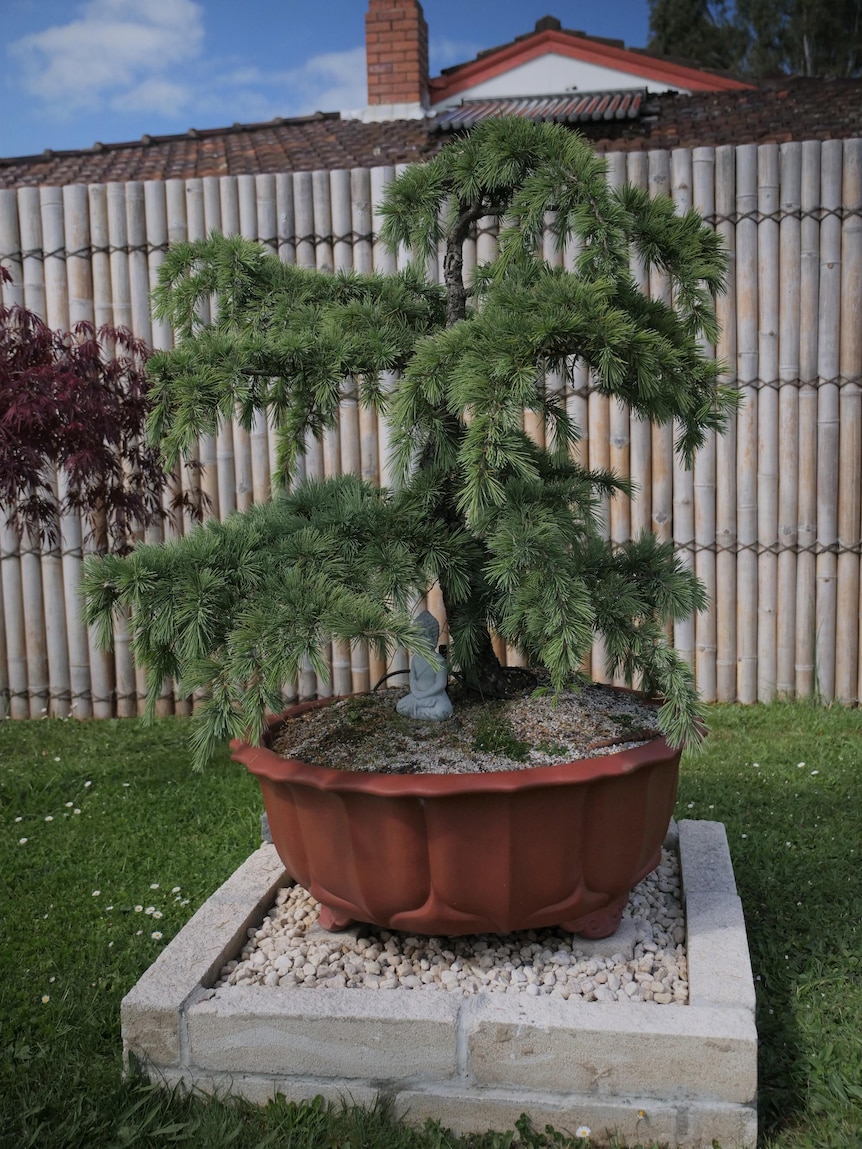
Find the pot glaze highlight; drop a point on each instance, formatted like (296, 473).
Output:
(558, 845)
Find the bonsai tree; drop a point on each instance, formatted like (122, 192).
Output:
(78, 402)
(508, 529)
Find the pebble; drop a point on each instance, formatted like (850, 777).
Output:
(280, 954)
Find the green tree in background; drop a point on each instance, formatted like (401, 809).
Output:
(761, 38)
(801, 37)
(696, 30)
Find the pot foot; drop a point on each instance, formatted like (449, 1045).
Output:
(334, 920)
(600, 923)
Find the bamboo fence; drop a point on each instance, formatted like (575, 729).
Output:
(770, 517)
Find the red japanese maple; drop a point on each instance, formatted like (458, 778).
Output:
(76, 403)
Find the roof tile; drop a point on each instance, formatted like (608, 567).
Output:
(790, 109)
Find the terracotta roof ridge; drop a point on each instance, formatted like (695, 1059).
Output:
(612, 41)
(148, 140)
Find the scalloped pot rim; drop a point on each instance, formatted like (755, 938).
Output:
(470, 853)
(264, 762)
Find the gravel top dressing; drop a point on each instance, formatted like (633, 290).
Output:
(290, 951)
(364, 732)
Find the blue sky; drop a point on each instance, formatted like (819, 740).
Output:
(77, 71)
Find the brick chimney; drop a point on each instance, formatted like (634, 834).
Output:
(396, 53)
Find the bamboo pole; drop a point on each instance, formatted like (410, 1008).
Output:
(31, 568)
(156, 240)
(79, 278)
(790, 204)
(251, 446)
(809, 306)
(218, 198)
(533, 421)
(54, 598)
(415, 603)
(189, 221)
(341, 220)
(240, 192)
(156, 225)
(10, 253)
(850, 440)
(827, 416)
(725, 448)
(577, 407)
(176, 195)
(640, 432)
(369, 668)
(703, 198)
(126, 685)
(100, 265)
(267, 211)
(600, 413)
(322, 216)
(76, 225)
(746, 474)
(16, 671)
(321, 201)
(139, 272)
(118, 240)
(177, 231)
(363, 261)
(385, 262)
(767, 418)
(261, 449)
(682, 178)
(102, 662)
(349, 667)
(286, 227)
(12, 293)
(232, 441)
(15, 649)
(484, 248)
(285, 218)
(361, 220)
(283, 232)
(303, 206)
(228, 195)
(661, 437)
(620, 517)
(139, 285)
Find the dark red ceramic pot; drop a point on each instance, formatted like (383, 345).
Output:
(450, 854)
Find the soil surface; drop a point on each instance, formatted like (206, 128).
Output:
(364, 732)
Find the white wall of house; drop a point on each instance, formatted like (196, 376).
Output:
(553, 73)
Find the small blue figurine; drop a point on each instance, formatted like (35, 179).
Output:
(427, 697)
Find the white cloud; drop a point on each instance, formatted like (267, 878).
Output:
(328, 82)
(155, 94)
(444, 52)
(110, 51)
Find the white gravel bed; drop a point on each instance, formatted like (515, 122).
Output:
(289, 950)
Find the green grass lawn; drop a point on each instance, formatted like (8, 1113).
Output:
(102, 822)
